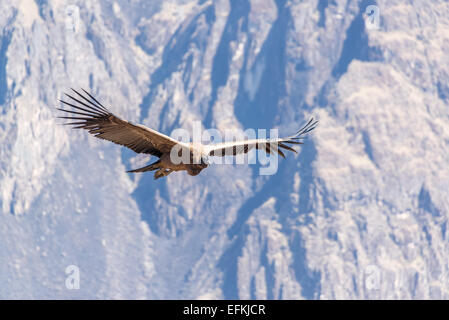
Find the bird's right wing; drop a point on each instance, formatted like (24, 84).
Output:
(94, 117)
(271, 146)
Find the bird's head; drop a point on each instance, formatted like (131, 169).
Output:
(194, 171)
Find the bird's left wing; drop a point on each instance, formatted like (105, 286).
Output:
(94, 117)
(270, 146)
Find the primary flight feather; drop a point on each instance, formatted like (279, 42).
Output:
(91, 115)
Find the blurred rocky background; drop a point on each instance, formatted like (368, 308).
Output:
(360, 213)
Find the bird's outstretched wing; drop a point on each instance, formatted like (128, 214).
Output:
(94, 117)
(271, 146)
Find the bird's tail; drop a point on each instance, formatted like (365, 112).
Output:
(149, 167)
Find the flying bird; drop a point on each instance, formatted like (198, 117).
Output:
(91, 115)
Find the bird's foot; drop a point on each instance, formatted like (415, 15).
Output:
(162, 173)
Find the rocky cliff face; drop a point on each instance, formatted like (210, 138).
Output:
(361, 212)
